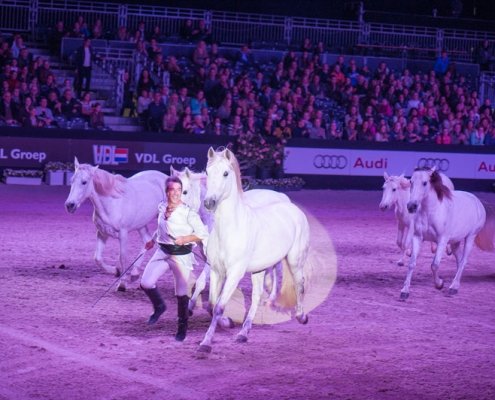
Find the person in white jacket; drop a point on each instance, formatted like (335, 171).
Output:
(179, 227)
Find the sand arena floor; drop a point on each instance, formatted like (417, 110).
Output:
(361, 342)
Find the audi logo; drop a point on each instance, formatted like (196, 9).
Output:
(441, 164)
(330, 161)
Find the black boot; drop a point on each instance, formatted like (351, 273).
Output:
(158, 304)
(183, 315)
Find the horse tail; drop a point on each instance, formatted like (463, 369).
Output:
(287, 295)
(485, 239)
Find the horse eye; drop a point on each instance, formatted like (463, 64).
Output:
(394, 189)
(185, 192)
(424, 183)
(226, 173)
(84, 182)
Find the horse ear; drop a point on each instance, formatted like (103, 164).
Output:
(404, 182)
(211, 153)
(188, 172)
(385, 175)
(172, 171)
(76, 163)
(228, 154)
(433, 169)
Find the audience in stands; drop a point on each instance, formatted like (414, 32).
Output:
(217, 94)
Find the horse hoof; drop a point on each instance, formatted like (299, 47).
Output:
(439, 286)
(400, 263)
(134, 278)
(204, 349)
(191, 312)
(452, 292)
(226, 323)
(121, 287)
(302, 319)
(241, 339)
(404, 296)
(117, 273)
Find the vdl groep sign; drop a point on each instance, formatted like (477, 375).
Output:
(104, 154)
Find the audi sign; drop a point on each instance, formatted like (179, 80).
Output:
(328, 161)
(441, 164)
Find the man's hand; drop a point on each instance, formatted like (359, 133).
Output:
(181, 240)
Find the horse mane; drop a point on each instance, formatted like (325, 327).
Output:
(107, 184)
(436, 182)
(198, 180)
(235, 166)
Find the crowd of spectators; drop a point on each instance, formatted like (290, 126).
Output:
(298, 97)
(32, 96)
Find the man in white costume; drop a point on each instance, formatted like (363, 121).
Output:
(179, 227)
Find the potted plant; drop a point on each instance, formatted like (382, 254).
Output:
(246, 149)
(282, 185)
(54, 173)
(254, 152)
(22, 176)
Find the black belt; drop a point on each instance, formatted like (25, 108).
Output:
(175, 249)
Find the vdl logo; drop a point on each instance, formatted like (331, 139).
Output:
(329, 161)
(441, 164)
(110, 155)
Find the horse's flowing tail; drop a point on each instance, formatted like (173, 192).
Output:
(287, 296)
(486, 237)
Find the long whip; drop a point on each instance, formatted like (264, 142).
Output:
(120, 277)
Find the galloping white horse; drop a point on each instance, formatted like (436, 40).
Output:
(120, 205)
(246, 238)
(193, 194)
(396, 192)
(446, 217)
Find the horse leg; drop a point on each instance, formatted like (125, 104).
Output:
(101, 241)
(400, 243)
(123, 260)
(257, 281)
(416, 242)
(232, 280)
(216, 283)
(275, 271)
(199, 287)
(468, 246)
(435, 265)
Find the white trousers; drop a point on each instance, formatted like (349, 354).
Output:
(160, 263)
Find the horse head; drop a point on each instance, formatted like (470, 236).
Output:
(421, 184)
(223, 177)
(81, 185)
(391, 189)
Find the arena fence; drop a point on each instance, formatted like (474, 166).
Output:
(231, 28)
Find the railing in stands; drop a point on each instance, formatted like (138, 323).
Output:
(487, 86)
(263, 31)
(230, 28)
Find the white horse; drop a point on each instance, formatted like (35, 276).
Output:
(193, 194)
(396, 192)
(446, 217)
(246, 238)
(120, 206)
